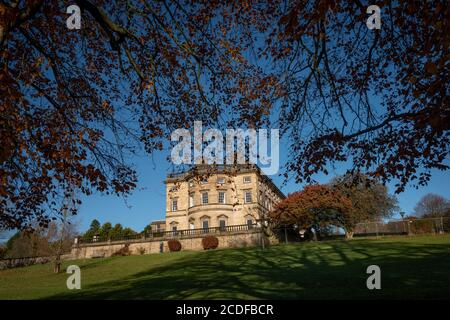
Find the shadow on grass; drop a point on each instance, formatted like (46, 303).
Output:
(329, 270)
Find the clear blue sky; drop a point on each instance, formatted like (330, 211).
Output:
(147, 202)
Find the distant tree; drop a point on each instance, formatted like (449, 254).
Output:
(31, 244)
(3, 251)
(147, 229)
(316, 206)
(117, 231)
(4, 235)
(128, 232)
(105, 230)
(432, 205)
(95, 225)
(344, 202)
(3, 248)
(52, 241)
(11, 240)
(370, 198)
(93, 230)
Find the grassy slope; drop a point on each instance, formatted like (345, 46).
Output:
(411, 267)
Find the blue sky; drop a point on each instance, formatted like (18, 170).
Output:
(147, 202)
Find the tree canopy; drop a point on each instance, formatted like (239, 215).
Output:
(344, 202)
(431, 206)
(107, 231)
(76, 103)
(316, 206)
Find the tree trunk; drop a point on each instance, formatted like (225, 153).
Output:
(57, 266)
(349, 235)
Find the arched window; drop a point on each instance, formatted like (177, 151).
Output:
(205, 223)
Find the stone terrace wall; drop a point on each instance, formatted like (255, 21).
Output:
(28, 261)
(107, 249)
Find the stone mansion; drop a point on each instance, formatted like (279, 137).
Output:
(207, 196)
(204, 197)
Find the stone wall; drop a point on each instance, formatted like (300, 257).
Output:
(107, 249)
(28, 261)
(22, 262)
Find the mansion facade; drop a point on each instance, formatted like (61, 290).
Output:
(205, 197)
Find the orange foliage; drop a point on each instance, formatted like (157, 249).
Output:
(301, 207)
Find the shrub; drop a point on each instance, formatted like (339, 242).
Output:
(174, 245)
(124, 251)
(210, 242)
(141, 250)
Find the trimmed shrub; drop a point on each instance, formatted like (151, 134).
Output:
(174, 245)
(210, 242)
(141, 250)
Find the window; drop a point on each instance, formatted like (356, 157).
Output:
(222, 225)
(174, 228)
(174, 205)
(250, 223)
(191, 200)
(248, 197)
(204, 181)
(191, 183)
(204, 197)
(247, 179)
(221, 180)
(205, 224)
(221, 196)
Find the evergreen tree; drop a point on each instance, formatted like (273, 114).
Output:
(105, 230)
(117, 232)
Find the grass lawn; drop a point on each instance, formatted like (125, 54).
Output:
(411, 267)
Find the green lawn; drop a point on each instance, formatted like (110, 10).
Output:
(411, 267)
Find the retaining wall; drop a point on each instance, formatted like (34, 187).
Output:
(107, 249)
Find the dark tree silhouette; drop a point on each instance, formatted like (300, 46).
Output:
(76, 103)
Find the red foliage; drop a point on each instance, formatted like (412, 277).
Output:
(301, 207)
(174, 245)
(62, 92)
(210, 242)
